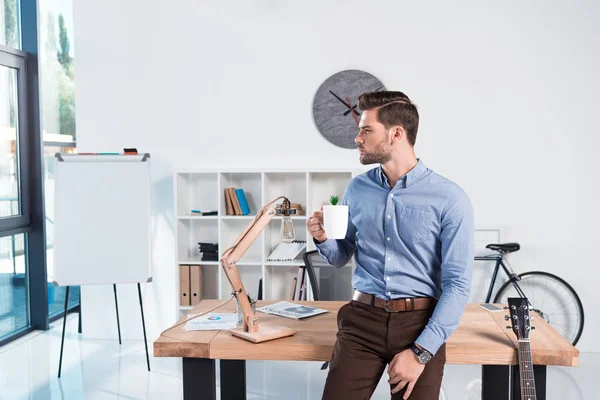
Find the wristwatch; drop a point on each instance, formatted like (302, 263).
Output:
(423, 355)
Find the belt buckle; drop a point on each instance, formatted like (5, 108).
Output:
(386, 304)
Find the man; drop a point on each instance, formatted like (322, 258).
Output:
(412, 233)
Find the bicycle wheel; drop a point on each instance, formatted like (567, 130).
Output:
(552, 299)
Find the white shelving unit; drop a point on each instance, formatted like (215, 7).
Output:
(203, 190)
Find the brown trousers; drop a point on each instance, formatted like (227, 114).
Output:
(368, 339)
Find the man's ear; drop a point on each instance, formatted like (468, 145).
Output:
(396, 133)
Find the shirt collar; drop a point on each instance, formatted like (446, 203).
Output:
(405, 180)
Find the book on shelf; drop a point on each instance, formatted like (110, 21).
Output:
(236, 202)
(237, 210)
(241, 196)
(197, 213)
(259, 296)
(287, 251)
(228, 202)
(203, 246)
(293, 293)
(209, 256)
(298, 290)
(291, 310)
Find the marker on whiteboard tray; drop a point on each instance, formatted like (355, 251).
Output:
(99, 154)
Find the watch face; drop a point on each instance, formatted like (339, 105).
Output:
(425, 357)
(335, 108)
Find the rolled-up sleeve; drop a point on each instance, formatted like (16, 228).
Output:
(456, 271)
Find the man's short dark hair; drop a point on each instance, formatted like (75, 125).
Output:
(393, 108)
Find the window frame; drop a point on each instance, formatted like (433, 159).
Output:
(17, 60)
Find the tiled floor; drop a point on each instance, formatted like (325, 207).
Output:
(98, 369)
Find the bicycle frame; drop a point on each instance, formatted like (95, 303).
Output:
(500, 261)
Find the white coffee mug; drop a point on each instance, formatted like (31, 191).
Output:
(335, 221)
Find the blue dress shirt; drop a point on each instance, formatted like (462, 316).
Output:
(412, 240)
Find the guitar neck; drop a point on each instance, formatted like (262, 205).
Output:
(526, 371)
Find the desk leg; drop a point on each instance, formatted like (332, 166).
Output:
(199, 379)
(495, 382)
(233, 380)
(539, 374)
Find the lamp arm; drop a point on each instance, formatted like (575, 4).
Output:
(232, 255)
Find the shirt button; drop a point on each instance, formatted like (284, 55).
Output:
(391, 194)
(390, 294)
(388, 278)
(389, 216)
(388, 239)
(389, 258)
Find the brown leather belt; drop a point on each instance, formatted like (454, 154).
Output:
(397, 305)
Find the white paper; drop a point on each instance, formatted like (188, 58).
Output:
(211, 322)
(291, 310)
(287, 251)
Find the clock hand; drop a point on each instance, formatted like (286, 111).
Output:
(376, 90)
(352, 109)
(337, 97)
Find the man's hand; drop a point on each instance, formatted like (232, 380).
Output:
(405, 369)
(314, 226)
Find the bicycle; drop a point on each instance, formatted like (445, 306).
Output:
(551, 297)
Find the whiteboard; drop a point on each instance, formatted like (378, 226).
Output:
(102, 219)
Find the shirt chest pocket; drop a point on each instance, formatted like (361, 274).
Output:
(413, 224)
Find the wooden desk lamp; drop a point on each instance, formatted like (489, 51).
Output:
(250, 329)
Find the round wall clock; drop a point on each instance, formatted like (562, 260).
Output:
(335, 108)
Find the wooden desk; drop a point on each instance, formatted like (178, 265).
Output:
(481, 338)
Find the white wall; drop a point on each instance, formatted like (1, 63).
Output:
(508, 95)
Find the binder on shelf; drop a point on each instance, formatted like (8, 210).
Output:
(287, 251)
(241, 197)
(184, 285)
(195, 284)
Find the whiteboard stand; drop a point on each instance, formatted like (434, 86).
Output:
(62, 341)
(102, 201)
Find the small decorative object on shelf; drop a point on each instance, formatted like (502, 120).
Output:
(295, 208)
(299, 209)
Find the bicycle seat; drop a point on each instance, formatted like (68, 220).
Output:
(504, 247)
